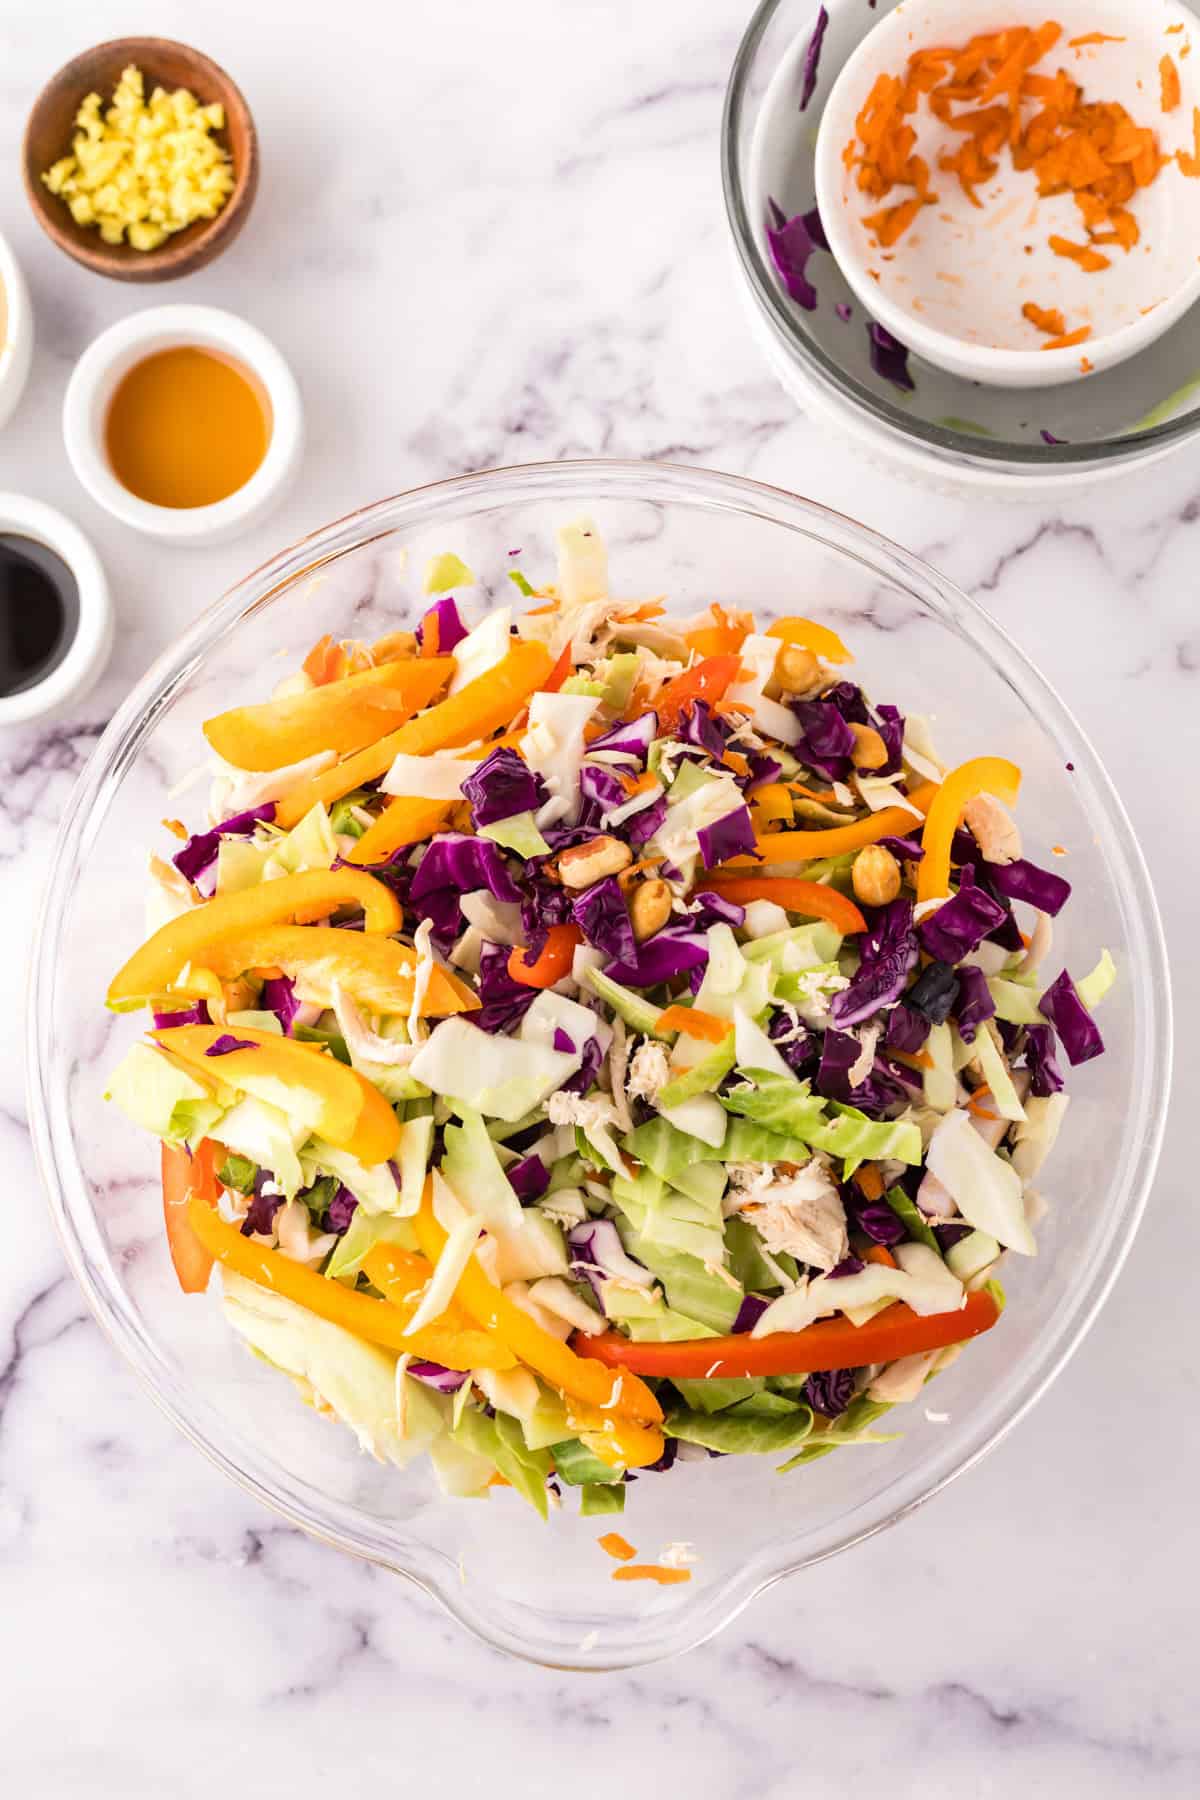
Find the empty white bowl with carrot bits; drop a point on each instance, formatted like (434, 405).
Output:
(1021, 205)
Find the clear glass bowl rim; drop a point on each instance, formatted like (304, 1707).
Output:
(766, 292)
(586, 482)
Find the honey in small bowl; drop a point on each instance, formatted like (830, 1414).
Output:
(187, 427)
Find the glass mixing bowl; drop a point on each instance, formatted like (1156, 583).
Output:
(545, 1591)
(949, 430)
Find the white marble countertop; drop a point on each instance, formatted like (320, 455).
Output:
(491, 234)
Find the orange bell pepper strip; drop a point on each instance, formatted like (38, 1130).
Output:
(378, 1321)
(552, 962)
(341, 715)
(829, 1344)
(817, 638)
(982, 775)
(350, 1111)
(182, 1176)
(406, 820)
(580, 1377)
(478, 709)
(693, 1023)
(804, 846)
(376, 971)
(794, 895)
(313, 894)
(726, 635)
(401, 1277)
(621, 1443)
(707, 681)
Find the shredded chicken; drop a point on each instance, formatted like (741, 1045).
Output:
(649, 1071)
(797, 1215)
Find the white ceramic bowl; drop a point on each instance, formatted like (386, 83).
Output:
(88, 647)
(95, 380)
(16, 339)
(953, 285)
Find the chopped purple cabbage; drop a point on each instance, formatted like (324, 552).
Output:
(1045, 1076)
(812, 57)
(227, 1043)
(960, 924)
(730, 836)
(1023, 880)
(1076, 1028)
(830, 1391)
(450, 629)
(200, 851)
(603, 917)
(888, 954)
(889, 357)
(528, 1178)
(975, 1003)
(501, 787)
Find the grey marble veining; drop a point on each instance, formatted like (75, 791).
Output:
(490, 235)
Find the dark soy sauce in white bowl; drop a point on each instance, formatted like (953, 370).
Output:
(39, 611)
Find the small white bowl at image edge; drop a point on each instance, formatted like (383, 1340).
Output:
(16, 337)
(952, 288)
(95, 379)
(86, 655)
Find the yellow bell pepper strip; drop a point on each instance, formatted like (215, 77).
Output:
(376, 1320)
(829, 1344)
(313, 894)
(545, 1355)
(771, 805)
(817, 638)
(478, 709)
(402, 1277)
(376, 971)
(342, 716)
(982, 775)
(185, 1174)
(804, 846)
(621, 1443)
(353, 1114)
(811, 897)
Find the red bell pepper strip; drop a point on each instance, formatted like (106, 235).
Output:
(829, 1344)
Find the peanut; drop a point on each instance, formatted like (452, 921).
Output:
(870, 751)
(586, 863)
(649, 908)
(875, 876)
(797, 670)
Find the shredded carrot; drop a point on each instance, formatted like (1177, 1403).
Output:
(1189, 161)
(496, 1479)
(975, 1103)
(627, 877)
(1068, 339)
(652, 1572)
(1172, 93)
(1057, 850)
(536, 612)
(1092, 37)
(638, 784)
(177, 828)
(1091, 261)
(989, 93)
(919, 1059)
(693, 1023)
(1046, 318)
(613, 1544)
(431, 634)
(870, 1181)
(879, 1253)
(733, 759)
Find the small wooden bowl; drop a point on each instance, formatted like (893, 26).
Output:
(51, 128)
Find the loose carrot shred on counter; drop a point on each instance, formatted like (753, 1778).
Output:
(652, 1572)
(1068, 339)
(613, 1544)
(1086, 365)
(1093, 150)
(176, 827)
(1092, 37)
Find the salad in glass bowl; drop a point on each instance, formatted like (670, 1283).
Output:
(588, 1038)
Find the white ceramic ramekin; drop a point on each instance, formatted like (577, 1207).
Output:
(88, 650)
(952, 289)
(16, 341)
(94, 382)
